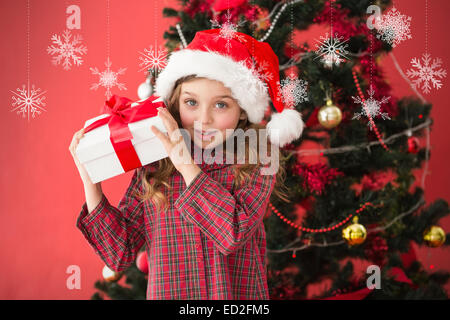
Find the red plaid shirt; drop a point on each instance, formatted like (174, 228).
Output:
(209, 244)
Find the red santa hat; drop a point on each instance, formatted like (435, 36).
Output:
(249, 68)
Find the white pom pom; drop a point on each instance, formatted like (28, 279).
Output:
(285, 127)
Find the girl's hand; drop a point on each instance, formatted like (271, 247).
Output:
(73, 146)
(173, 143)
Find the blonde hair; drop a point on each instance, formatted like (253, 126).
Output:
(154, 180)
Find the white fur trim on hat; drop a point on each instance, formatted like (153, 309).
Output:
(245, 86)
(285, 127)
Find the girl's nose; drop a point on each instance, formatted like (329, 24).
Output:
(205, 117)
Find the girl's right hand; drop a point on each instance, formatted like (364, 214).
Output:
(73, 146)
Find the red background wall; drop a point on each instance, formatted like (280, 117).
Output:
(41, 193)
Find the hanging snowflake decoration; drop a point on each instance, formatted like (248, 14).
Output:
(67, 51)
(427, 73)
(371, 108)
(108, 79)
(154, 59)
(228, 30)
(261, 70)
(253, 82)
(332, 50)
(393, 27)
(294, 91)
(28, 101)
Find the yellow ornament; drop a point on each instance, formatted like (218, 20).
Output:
(434, 236)
(354, 233)
(329, 115)
(111, 275)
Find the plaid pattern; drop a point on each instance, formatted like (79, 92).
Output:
(208, 244)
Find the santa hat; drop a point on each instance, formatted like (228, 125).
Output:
(249, 68)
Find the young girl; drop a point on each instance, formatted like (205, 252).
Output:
(201, 222)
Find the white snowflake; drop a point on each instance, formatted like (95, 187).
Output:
(371, 108)
(70, 50)
(253, 81)
(260, 70)
(108, 79)
(228, 30)
(294, 91)
(332, 50)
(28, 101)
(426, 73)
(393, 27)
(153, 58)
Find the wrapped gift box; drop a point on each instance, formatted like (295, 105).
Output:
(112, 146)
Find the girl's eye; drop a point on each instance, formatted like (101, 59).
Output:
(190, 102)
(223, 104)
(187, 102)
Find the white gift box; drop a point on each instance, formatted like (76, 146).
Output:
(96, 152)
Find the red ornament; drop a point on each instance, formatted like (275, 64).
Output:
(316, 176)
(376, 249)
(375, 181)
(195, 7)
(221, 5)
(142, 262)
(413, 145)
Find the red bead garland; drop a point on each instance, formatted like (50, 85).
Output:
(355, 79)
(292, 224)
(368, 114)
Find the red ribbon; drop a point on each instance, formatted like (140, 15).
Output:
(120, 115)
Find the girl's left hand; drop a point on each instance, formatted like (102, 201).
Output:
(173, 143)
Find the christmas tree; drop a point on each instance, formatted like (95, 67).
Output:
(356, 200)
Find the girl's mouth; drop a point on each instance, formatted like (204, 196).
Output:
(205, 135)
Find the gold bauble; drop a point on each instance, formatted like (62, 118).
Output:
(434, 236)
(354, 233)
(111, 275)
(329, 115)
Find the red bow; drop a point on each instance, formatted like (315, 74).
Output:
(121, 114)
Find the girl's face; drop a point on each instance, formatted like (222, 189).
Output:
(210, 104)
